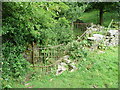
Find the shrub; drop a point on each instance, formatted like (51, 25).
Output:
(14, 64)
(76, 50)
(56, 35)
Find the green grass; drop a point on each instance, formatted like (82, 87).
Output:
(97, 70)
(93, 17)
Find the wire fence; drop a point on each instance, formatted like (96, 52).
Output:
(46, 59)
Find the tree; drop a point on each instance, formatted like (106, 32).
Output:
(104, 7)
(75, 11)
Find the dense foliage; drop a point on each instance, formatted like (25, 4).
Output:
(34, 20)
(42, 23)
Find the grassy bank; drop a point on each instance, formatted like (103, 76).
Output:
(98, 70)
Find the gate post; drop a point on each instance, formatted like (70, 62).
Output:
(33, 53)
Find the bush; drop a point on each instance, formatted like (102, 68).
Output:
(14, 64)
(56, 35)
(76, 50)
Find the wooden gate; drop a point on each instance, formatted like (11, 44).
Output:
(81, 26)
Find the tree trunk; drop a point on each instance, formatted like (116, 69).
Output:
(101, 16)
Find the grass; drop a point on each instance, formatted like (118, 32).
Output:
(98, 70)
(93, 17)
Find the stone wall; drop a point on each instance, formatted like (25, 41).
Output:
(67, 64)
(110, 38)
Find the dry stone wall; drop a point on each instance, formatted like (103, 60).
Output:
(111, 38)
(67, 64)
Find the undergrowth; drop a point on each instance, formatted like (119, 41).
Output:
(98, 70)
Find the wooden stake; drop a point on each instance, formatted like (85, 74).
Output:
(33, 53)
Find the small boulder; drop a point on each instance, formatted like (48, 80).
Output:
(98, 36)
(66, 57)
(112, 32)
(61, 68)
(72, 67)
(92, 38)
(66, 64)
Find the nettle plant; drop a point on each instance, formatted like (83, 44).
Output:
(13, 62)
(76, 50)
